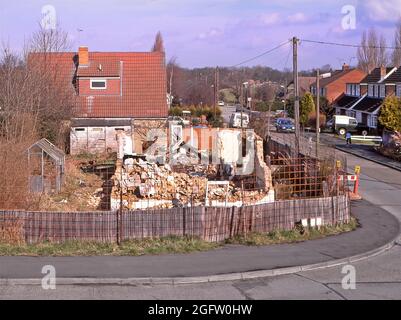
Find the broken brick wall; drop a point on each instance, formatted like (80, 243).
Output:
(141, 129)
(262, 170)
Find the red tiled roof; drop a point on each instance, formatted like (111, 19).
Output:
(100, 68)
(143, 83)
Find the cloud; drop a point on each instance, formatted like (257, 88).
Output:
(212, 33)
(384, 10)
(269, 19)
(298, 17)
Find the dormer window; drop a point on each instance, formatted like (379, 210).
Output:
(353, 89)
(98, 84)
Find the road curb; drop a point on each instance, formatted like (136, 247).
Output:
(207, 279)
(367, 158)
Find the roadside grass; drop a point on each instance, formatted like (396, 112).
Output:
(170, 244)
(291, 236)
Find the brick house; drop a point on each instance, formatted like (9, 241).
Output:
(363, 100)
(304, 84)
(113, 91)
(334, 86)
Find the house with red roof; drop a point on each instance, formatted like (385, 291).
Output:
(333, 86)
(113, 91)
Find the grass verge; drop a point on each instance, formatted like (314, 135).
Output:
(295, 235)
(171, 244)
(164, 245)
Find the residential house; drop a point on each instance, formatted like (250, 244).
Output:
(304, 84)
(363, 100)
(333, 86)
(113, 92)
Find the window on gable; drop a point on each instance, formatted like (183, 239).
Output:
(382, 91)
(357, 90)
(377, 88)
(98, 84)
(349, 89)
(370, 90)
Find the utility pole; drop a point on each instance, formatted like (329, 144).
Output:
(245, 94)
(296, 93)
(216, 89)
(171, 84)
(317, 112)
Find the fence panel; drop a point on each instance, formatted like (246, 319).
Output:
(208, 223)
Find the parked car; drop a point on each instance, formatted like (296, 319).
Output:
(221, 103)
(179, 120)
(341, 124)
(235, 120)
(284, 125)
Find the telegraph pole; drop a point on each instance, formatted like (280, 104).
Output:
(296, 92)
(317, 112)
(216, 89)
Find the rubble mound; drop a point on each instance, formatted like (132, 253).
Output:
(143, 180)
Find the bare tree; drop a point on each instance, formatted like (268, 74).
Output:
(35, 100)
(158, 45)
(372, 52)
(396, 55)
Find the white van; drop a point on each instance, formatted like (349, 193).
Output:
(342, 124)
(235, 120)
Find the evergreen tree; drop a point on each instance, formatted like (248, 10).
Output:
(307, 108)
(390, 114)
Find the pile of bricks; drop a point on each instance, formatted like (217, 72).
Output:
(147, 180)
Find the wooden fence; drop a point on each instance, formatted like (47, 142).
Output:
(208, 223)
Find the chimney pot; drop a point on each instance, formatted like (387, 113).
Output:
(345, 66)
(83, 56)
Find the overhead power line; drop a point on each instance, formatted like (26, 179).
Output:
(348, 45)
(260, 55)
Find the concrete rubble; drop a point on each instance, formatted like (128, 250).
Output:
(141, 183)
(147, 184)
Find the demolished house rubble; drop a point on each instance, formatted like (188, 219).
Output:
(141, 184)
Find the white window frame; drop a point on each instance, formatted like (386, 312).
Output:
(357, 90)
(382, 91)
(398, 90)
(373, 121)
(349, 91)
(98, 80)
(370, 90)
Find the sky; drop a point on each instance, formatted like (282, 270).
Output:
(208, 32)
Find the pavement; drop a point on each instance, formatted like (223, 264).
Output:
(359, 150)
(368, 152)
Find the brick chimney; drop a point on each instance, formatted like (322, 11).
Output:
(83, 56)
(345, 66)
(382, 72)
